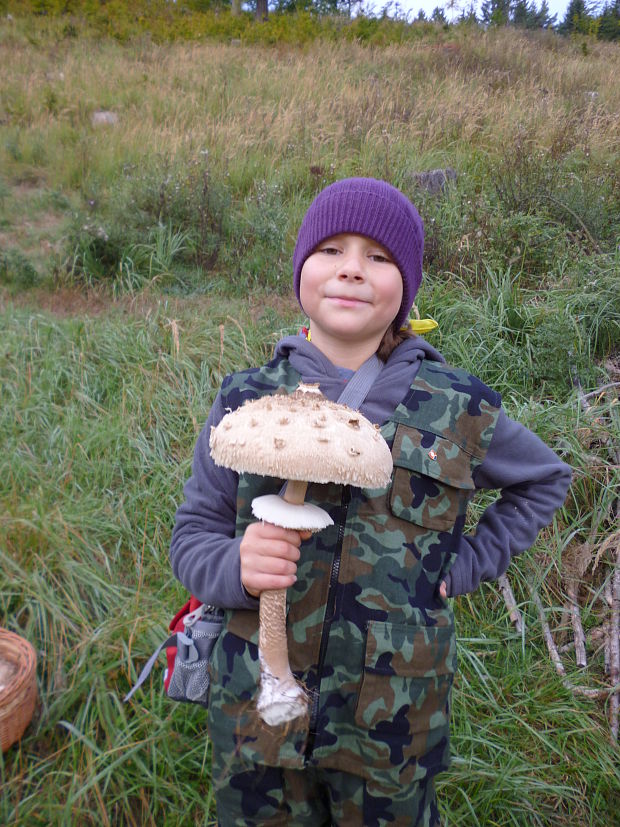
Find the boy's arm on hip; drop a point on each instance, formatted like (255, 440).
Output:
(533, 482)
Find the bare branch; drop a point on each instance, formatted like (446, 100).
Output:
(557, 661)
(600, 389)
(511, 604)
(598, 633)
(575, 616)
(614, 647)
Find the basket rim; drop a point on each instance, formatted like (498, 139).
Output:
(26, 667)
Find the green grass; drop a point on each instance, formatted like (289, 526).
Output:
(161, 248)
(98, 419)
(99, 416)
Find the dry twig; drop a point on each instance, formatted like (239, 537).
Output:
(607, 648)
(614, 647)
(601, 389)
(575, 616)
(557, 661)
(511, 604)
(598, 633)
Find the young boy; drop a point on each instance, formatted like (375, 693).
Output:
(370, 632)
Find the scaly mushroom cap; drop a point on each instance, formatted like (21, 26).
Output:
(302, 436)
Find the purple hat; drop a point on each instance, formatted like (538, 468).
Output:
(373, 208)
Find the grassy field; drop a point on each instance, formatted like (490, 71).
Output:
(141, 261)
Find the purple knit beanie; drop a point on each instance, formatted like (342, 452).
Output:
(373, 208)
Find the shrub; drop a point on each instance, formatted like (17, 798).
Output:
(149, 218)
(258, 254)
(16, 270)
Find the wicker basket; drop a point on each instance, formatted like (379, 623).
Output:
(18, 698)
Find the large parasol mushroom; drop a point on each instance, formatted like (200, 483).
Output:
(301, 437)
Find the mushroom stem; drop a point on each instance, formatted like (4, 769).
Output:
(272, 634)
(281, 698)
(295, 492)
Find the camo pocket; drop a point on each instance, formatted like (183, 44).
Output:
(234, 724)
(404, 698)
(432, 481)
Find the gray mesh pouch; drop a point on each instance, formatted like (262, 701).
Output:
(190, 677)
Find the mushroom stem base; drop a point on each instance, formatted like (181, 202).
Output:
(280, 699)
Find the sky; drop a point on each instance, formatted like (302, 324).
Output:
(555, 6)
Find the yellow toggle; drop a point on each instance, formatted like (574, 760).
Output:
(422, 325)
(416, 325)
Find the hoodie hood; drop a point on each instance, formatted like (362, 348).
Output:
(388, 390)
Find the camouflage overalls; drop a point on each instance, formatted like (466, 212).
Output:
(368, 633)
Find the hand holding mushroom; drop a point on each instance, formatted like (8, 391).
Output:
(300, 437)
(269, 556)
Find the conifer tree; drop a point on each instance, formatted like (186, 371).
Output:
(609, 22)
(521, 13)
(468, 15)
(577, 18)
(543, 19)
(495, 12)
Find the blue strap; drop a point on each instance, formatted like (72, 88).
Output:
(148, 666)
(357, 388)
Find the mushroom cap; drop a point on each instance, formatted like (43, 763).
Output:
(302, 436)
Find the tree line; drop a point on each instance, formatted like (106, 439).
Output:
(581, 17)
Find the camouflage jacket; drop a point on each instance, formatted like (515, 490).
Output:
(368, 633)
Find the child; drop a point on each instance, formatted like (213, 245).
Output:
(371, 634)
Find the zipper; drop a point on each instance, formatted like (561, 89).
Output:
(329, 616)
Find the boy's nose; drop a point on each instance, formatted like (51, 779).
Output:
(351, 267)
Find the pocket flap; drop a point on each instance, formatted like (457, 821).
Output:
(432, 455)
(411, 651)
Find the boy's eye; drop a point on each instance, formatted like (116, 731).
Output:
(380, 258)
(331, 251)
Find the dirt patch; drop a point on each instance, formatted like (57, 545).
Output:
(64, 302)
(67, 302)
(33, 224)
(27, 189)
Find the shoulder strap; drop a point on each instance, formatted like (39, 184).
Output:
(357, 388)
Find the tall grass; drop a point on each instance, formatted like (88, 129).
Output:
(99, 416)
(178, 224)
(225, 144)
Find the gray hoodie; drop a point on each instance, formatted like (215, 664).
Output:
(531, 479)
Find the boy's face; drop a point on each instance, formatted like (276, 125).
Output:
(351, 289)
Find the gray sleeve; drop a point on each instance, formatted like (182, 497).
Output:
(533, 482)
(204, 551)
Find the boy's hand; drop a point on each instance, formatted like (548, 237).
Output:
(269, 556)
(443, 590)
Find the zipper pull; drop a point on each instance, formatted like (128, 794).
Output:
(192, 617)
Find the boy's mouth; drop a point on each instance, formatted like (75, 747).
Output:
(348, 301)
